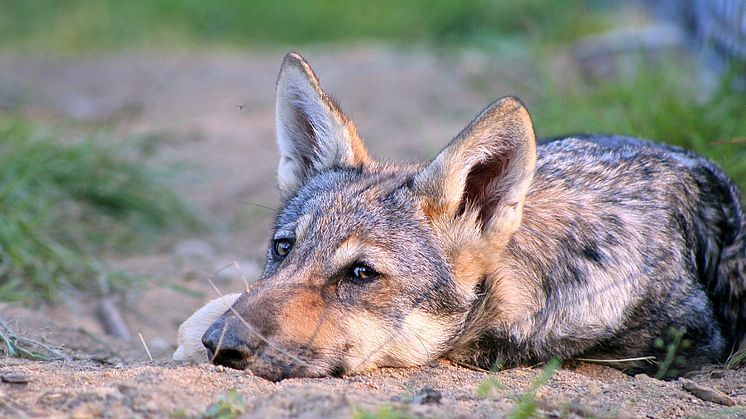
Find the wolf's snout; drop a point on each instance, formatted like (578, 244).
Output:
(227, 345)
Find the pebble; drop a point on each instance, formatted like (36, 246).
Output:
(15, 378)
(427, 395)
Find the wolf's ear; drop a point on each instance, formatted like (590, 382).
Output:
(313, 134)
(485, 171)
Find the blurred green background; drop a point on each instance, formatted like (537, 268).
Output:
(56, 204)
(79, 25)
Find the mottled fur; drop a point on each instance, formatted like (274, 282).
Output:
(591, 246)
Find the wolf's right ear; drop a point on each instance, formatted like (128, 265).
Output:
(485, 172)
(313, 134)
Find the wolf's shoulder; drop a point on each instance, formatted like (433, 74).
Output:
(619, 146)
(616, 151)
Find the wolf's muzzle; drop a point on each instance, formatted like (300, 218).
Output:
(225, 346)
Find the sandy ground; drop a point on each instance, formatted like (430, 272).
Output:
(212, 111)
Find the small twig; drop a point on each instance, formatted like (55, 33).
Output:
(649, 359)
(471, 367)
(707, 394)
(146, 346)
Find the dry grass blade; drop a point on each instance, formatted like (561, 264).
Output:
(471, 367)
(648, 359)
(17, 346)
(243, 276)
(145, 345)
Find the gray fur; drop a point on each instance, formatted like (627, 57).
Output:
(600, 250)
(641, 223)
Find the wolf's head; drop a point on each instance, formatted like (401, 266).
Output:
(373, 264)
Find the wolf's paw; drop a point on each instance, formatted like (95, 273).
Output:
(191, 331)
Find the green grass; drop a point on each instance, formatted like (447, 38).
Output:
(229, 405)
(659, 103)
(65, 206)
(526, 406)
(668, 368)
(737, 360)
(17, 346)
(83, 25)
(491, 384)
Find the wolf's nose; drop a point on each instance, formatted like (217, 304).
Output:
(225, 346)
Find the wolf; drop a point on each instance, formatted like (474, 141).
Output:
(497, 250)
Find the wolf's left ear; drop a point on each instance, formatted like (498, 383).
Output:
(485, 171)
(313, 134)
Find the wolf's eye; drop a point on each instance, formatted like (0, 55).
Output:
(282, 247)
(363, 272)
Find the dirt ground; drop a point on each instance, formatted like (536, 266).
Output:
(212, 112)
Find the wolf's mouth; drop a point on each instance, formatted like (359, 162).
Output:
(230, 358)
(338, 371)
(271, 367)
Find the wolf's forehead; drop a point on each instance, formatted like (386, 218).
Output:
(356, 196)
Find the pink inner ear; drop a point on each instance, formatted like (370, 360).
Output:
(484, 187)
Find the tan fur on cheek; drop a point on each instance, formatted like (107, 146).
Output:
(307, 322)
(190, 332)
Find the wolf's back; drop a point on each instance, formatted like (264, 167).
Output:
(718, 237)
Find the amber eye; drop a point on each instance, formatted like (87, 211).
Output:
(282, 247)
(363, 272)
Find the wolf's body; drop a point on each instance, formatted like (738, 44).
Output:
(497, 250)
(622, 240)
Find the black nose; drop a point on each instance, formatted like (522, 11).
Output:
(225, 346)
